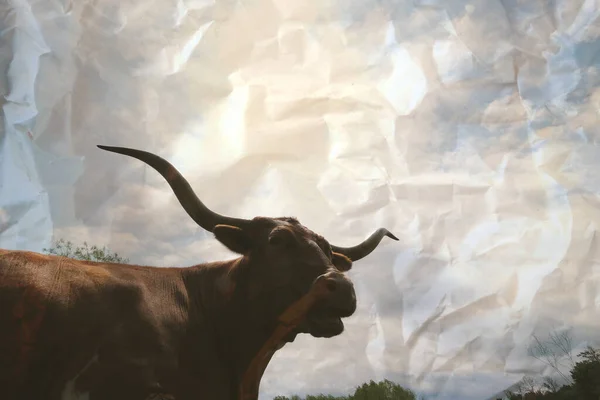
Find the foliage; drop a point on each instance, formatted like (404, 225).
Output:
(585, 378)
(383, 390)
(586, 375)
(65, 248)
(583, 382)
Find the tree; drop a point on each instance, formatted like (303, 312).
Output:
(384, 390)
(582, 382)
(550, 384)
(65, 248)
(526, 388)
(585, 378)
(556, 352)
(586, 375)
(309, 397)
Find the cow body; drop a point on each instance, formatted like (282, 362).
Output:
(112, 331)
(73, 329)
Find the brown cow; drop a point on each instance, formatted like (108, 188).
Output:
(73, 329)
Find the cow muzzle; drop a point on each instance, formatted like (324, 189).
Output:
(325, 319)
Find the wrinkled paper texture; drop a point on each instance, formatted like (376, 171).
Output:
(467, 128)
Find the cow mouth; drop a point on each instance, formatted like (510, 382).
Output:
(326, 322)
(320, 324)
(325, 327)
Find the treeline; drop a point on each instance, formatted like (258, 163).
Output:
(584, 384)
(383, 390)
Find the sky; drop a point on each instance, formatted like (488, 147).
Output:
(467, 128)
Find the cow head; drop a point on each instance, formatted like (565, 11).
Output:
(285, 256)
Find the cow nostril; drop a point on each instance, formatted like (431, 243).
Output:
(331, 285)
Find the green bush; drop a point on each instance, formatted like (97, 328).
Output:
(65, 248)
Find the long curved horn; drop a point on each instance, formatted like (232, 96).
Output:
(366, 247)
(201, 214)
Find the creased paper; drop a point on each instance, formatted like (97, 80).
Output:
(468, 128)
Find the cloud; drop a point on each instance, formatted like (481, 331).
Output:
(466, 128)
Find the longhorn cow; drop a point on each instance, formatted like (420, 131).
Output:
(73, 329)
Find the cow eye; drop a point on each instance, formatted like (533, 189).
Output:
(281, 237)
(276, 240)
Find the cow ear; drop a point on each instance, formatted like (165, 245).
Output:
(234, 238)
(341, 262)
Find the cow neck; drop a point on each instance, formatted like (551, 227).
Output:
(236, 311)
(250, 318)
